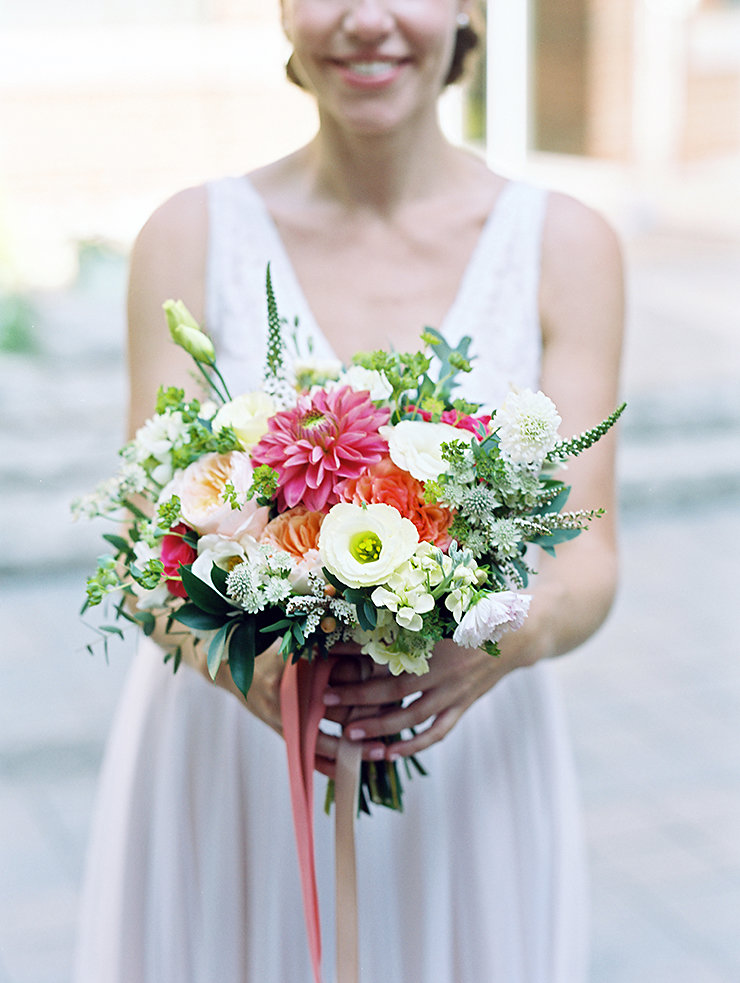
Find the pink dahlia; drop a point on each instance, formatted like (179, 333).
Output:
(325, 438)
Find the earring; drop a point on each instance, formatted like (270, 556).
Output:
(463, 20)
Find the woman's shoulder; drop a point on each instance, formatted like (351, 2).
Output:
(181, 218)
(575, 232)
(582, 269)
(169, 255)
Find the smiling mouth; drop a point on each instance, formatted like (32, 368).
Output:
(371, 69)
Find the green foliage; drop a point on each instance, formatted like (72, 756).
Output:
(577, 445)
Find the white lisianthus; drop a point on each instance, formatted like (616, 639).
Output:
(527, 424)
(363, 544)
(247, 415)
(360, 379)
(187, 333)
(490, 617)
(416, 446)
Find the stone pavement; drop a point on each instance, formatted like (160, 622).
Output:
(653, 698)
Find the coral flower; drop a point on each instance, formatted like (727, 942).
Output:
(325, 438)
(385, 482)
(295, 531)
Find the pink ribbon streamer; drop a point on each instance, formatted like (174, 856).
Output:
(301, 692)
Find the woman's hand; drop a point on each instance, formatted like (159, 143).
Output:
(457, 677)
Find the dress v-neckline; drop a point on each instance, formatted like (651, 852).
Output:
(308, 321)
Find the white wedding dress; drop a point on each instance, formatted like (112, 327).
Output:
(192, 875)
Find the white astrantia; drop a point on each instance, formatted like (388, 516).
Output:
(527, 425)
(490, 617)
(363, 544)
(416, 446)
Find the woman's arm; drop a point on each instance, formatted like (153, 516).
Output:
(581, 307)
(169, 261)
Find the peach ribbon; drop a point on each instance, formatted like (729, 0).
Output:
(301, 692)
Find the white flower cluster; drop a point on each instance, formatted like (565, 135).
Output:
(261, 581)
(154, 443)
(411, 591)
(109, 495)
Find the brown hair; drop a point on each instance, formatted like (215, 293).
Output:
(467, 40)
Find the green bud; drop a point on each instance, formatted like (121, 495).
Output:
(186, 332)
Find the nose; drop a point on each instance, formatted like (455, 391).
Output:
(368, 20)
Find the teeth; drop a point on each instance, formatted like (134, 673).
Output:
(370, 68)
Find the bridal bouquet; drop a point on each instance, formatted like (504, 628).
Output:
(365, 504)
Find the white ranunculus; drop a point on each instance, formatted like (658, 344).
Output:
(213, 548)
(248, 415)
(527, 425)
(415, 446)
(360, 379)
(490, 617)
(363, 544)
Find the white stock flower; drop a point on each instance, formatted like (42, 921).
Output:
(527, 424)
(416, 446)
(159, 595)
(490, 617)
(247, 415)
(155, 440)
(363, 544)
(360, 379)
(384, 646)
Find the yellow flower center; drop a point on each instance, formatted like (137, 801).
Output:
(365, 547)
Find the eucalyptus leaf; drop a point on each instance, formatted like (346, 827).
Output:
(201, 594)
(242, 653)
(117, 542)
(195, 617)
(216, 649)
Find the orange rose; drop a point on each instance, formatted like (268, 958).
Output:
(387, 483)
(295, 531)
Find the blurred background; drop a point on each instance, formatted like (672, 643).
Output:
(109, 106)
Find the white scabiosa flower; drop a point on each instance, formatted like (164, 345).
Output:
(363, 544)
(490, 617)
(416, 446)
(527, 424)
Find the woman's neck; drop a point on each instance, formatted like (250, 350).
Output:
(381, 171)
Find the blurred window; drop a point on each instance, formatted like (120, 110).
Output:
(89, 13)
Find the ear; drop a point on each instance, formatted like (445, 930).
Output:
(284, 19)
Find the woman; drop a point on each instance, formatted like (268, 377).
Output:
(376, 228)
